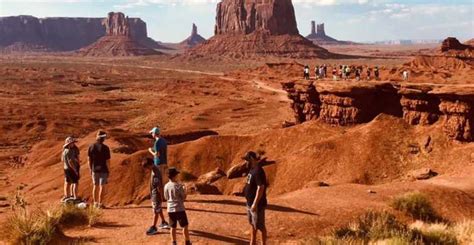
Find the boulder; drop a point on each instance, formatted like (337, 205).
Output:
(422, 174)
(211, 177)
(202, 188)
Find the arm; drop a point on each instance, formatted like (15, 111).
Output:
(183, 192)
(166, 195)
(260, 191)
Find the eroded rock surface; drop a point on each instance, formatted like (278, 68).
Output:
(352, 103)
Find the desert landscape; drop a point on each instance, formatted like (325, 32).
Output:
(384, 159)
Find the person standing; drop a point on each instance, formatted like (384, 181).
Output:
(306, 72)
(255, 194)
(159, 151)
(368, 73)
(175, 196)
(155, 196)
(405, 75)
(376, 73)
(99, 165)
(70, 158)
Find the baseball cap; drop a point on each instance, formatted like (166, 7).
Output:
(250, 155)
(155, 130)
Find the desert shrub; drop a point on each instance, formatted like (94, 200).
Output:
(464, 232)
(416, 205)
(40, 227)
(372, 226)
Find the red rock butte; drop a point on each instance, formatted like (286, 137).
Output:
(319, 37)
(117, 41)
(256, 27)
(194, 39)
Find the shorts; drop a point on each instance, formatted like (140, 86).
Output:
(180, 217)
(155, 195)
(100, 178)
(71, 176)
(164, 173)
(257, 220)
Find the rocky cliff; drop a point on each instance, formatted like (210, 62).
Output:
(257, 27)
(194, 39)
(118, 40)
(452, 47)
(354, 103)
(61, 33)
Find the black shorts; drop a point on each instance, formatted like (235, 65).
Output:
(71, 176)
(178, 217)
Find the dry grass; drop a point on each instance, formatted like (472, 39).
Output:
(417, 206)
(42, 227)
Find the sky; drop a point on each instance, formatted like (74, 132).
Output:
(354, 20)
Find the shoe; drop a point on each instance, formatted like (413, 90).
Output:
(65, 199)
(164, 225)
(152, 231)
(188, 243)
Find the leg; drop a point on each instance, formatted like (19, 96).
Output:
(73, 191)
(94, 188)
(155, 219)
(66, 189)
(253, 236)
(264, 236)
(173, 234)
(101, 193)
(186, 234)
(161, 216)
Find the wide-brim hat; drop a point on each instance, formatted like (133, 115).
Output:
(250, 155)
(69, 140)
(173, 172)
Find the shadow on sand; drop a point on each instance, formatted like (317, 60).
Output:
(272, 207)
(224, 239)
(109, 225)
(214, 211)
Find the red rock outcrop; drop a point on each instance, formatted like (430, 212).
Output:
(61, 33)
(318, 36)
(354, 103)
(117, 41)
(257, 27)
(194, 39)
(452, 47)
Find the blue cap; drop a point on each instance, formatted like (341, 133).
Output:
(155, 130)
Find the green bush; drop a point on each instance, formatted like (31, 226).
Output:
(416, 205)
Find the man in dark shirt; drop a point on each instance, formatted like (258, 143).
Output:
(99, 162)
(255, 193)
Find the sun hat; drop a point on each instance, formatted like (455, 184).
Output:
(172, 172)
(69, 140)
(101, 134)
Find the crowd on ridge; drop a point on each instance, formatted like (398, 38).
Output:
(346, 72)
(173, 192)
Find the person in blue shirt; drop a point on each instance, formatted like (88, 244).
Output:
(160, 155)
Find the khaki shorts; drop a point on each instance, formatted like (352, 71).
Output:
(257, 219)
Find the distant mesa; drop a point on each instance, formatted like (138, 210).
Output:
(452, 47)
(255, 27)
(118, 40)
(194, 39)
(318, 36)
(27, 33)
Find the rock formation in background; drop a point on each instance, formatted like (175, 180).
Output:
(255, 27)
(452, 47)
(117, 41)
(194, 39)
(61, 33)
(318, 36)
(354, 103)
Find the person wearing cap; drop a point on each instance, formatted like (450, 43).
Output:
(175, 196)
(159, 151)
(255, 194)
(99, 163)
(70, 158)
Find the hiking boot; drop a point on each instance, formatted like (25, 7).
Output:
(152, 231)
(164, 225)
(65, 199)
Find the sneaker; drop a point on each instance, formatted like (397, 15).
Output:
(65, 199)
(152, 231)
(164, 225)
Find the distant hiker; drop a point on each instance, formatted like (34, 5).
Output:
(316, 71)
(255, 193)
(175, 196)
(376, 73)
(334, 73)
(159, 151)
(321, 72)
(348, 72)
(325, 71)
(155, 196)
(405, 75)
(368, 73)
(306, 72)
(70, 158)
(357, 74)
(341, 72)
(99, 165)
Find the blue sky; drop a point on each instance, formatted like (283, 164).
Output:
(355, 20)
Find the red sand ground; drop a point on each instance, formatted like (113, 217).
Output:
(46, 99)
